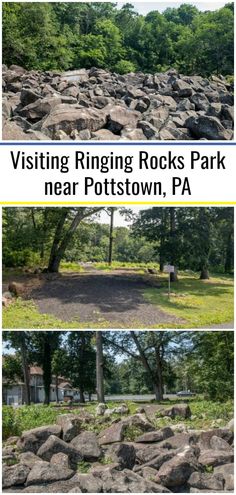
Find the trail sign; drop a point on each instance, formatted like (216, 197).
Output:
(169, 268)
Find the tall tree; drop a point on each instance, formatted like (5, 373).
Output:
(44, 344)
(64, 233)
(20, 341)
(111, 213)
(100, 367)
(150, 349)
(82, 359)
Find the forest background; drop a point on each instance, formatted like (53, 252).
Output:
(62, 36)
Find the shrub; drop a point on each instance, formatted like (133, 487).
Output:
(124, 66)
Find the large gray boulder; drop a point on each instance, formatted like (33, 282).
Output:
(155, 436)
(183, 89)
(88, 483)
(174, 472)
(86, 443)
(206, 481)
(181, 410)
(208, 127)
(71, 117)
(120, 117)
(127, 481)
(29, 459)
(112, 434)
(54, 445)
(43, 472)
(215, 457)
(70, 424)
(14, 475)
(31, 440)
(122, 454)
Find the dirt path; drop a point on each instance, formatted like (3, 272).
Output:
(95, 297)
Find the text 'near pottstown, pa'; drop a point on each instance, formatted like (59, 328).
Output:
(141, 161)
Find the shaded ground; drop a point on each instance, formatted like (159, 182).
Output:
(97, 296)
(113, 299)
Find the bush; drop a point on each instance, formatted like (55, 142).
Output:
(25, 257)
(15, 421)
(124, 66)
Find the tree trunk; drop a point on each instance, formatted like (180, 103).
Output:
(57, 397)
(53, 264)
(156, 382)
(99, 368)
(25, 367)
(229, 255)
(47, 369)
(81, 395)
(204, 274)
(158, 392)
(61, 241)
(161, 265)
(111, 236)
(173, 275)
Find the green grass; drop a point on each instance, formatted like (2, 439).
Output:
(199, 303)
(83, 467)
(205, 414)
(69, 266)
(24, 314)
(139, 267)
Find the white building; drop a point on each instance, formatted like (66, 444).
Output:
(14, 394)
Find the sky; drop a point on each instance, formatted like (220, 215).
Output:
(145, 7)
(119, 220)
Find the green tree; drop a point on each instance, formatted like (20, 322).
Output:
(82, 359)
(44, 344)
(20, 341)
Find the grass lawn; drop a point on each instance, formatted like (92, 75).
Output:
(199, 302)
(24, 314)
(205, 414)
(119, 265)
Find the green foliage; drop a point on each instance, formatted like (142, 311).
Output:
(58, 36)
(11, 368)
(83, 467)
(205, 414)
(132, 432)
(124, 67)
(15, 421)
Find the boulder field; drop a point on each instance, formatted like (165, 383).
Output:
(128, 453)
(99, 105)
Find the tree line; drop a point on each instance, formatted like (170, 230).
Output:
(149, 362)
(198, 238)
(62, 36)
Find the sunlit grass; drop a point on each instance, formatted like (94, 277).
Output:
(197, 302)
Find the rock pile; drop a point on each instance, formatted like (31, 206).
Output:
(103, 106)
(67, 458)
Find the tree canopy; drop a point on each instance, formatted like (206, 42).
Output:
(61, 36)
(155, 362)
(198, 239)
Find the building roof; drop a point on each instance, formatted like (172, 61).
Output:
(65, 385)
(35, 370)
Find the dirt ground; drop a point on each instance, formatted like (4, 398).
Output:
(95, 296)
